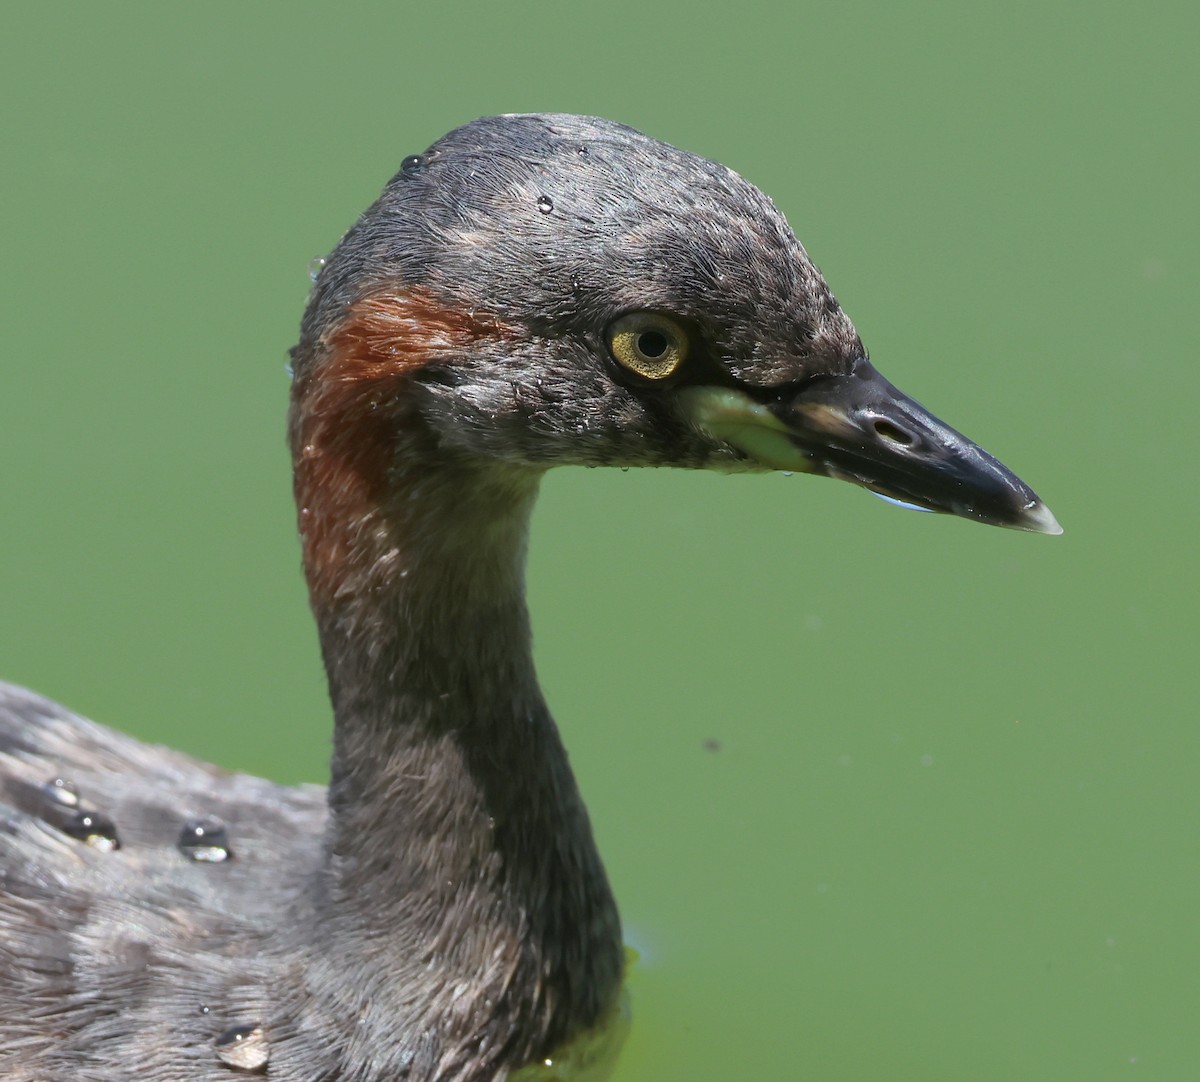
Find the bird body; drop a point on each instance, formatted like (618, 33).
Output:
(533, 290)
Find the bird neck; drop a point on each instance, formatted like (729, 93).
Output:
(455, 820)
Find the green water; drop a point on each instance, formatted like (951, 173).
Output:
(950, 831)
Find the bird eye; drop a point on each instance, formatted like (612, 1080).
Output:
(648, 344)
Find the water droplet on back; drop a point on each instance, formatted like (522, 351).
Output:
(61, 792)
(314, 267)
(412, 164)
(244, 1048)
(545, 204)
(93, 829)
(205, 841)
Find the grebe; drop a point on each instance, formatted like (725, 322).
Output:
(532, 290)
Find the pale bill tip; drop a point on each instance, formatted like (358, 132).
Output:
(1038, 518)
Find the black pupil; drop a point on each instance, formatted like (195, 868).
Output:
(652, 343)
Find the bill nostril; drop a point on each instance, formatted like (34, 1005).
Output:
(893, 434)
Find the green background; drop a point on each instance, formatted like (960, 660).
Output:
(950, 832)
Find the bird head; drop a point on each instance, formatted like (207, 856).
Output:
(547, 289)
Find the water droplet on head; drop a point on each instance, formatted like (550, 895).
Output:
(205, 841)
(412, 164)
(244, 1048)
(93, 829)
(61, 792)
(545, 204)
(314, 267)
